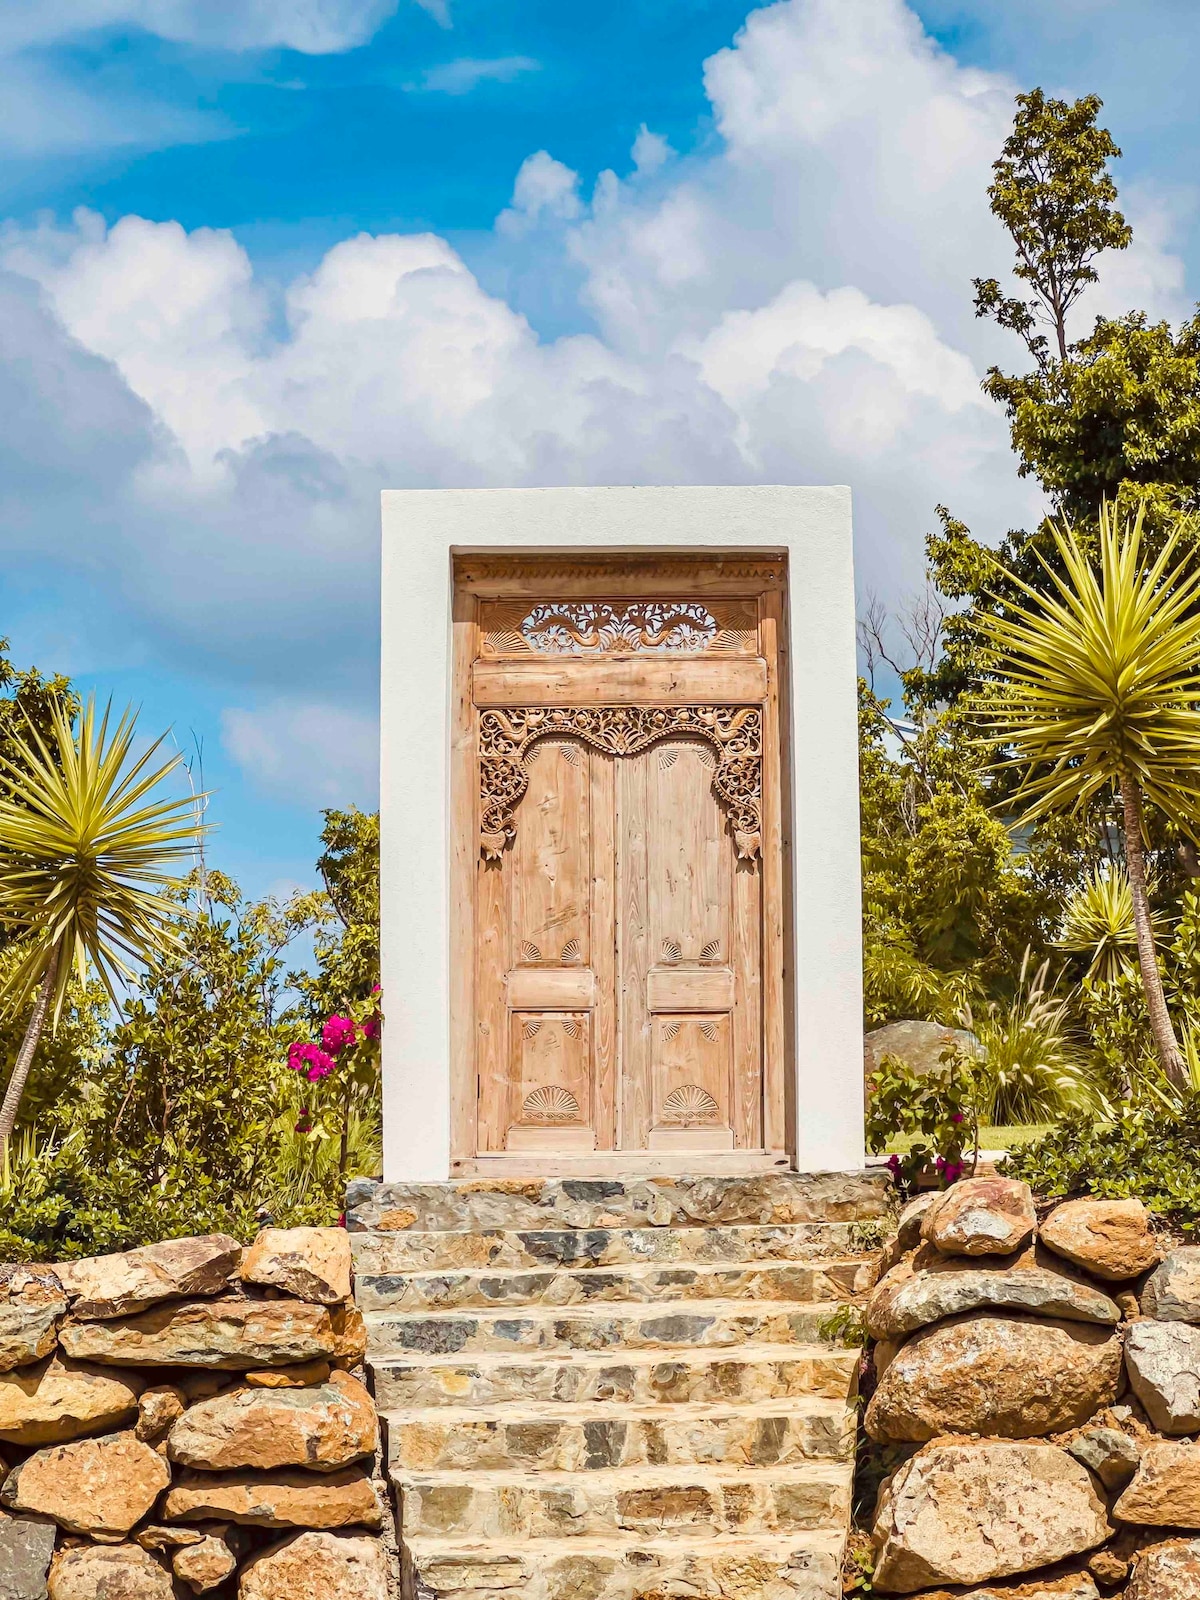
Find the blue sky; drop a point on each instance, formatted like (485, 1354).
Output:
(260, 260)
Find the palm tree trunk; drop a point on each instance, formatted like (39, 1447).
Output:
(29, 1044)
(1165, 1042)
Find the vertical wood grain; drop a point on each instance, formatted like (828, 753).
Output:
(634, 955)
(464, 853)
(604, 945)
(775, 920)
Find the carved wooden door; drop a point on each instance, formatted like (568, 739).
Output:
(617, 780)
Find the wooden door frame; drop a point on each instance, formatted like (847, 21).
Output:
(585, 573)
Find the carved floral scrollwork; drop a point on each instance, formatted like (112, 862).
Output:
(734, 732)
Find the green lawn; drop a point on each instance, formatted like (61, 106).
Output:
(989, 1138)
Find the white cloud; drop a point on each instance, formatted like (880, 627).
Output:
(650, 150)
(545, 190)
(468, 72)
(316, 27)
(307, 752)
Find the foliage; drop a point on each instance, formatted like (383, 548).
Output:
(1098, 925)
(935, 1109)
(846, 1326)
(346, 945)
(1030, 1067)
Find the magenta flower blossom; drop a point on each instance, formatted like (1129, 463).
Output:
(337, 1033)
(311, 1060)
(371, 1028)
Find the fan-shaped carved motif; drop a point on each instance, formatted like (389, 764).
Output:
(672, 950)
(690, 1104)
(550, 1104)
(531, 1029)
(711, 951)
(667, 758)
(672, 1031)
(570, 951)
(571, 1028)
(530, 952)
(709, 1030)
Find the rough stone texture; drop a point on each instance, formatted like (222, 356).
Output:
(1172, 1292)
(228, 1335)
(318, 1566)
(1016, 1377)
(112, 1286)
(61, 1399)
(156, 1537)
(94, 1486)
(302, 1376)
(969, 1512)
(205, 1565)
(284, 1500)
(32, 1303)
(1076, 1586)
(311, 1263)
(350, 1337)
(159, 1408)
(1112, 1455)
(1166, 1491)
(323, 1429)
(908, 1299)
(918, 1044)
(981, 1217)
(108, 1572)
(1169, 1571)
(1163, 1360)
(1111, 1239)
(26, 1545)
(908, 1229)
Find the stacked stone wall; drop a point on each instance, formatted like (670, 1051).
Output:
(190, 1418)
(1036, 1396)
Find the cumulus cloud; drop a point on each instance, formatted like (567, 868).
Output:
(313, 753)
(468, 72)
(790, 305)
(316, 27)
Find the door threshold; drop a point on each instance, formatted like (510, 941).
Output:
(624, 1164)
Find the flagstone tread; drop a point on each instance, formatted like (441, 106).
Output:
(512, 1250)
(782, 1281)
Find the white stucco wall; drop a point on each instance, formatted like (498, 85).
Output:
(422, 530)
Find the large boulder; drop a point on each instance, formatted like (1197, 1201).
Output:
(283, 1500)
(226, 1335)
(964, 1512)
(175, 1269)
(1111, 1239)
(311, 1263)
(1163, 1359)
(1172, 1291)
(1165, 1493)
(32, 1303)
(26, 1545)
(1169, 1571)
(981, 1217)
(909, 1298)
(1015, 1377)
(318, 1566)
(323, 1429)
(918, 1044)
(108, 1572)
(94, 1486)
(1076, 1586)
(61, 1399)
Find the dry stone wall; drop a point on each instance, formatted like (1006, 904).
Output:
(1039, 1385)
(190, 1418)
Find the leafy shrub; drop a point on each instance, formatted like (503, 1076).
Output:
(935, 1110)
(1031, 1068)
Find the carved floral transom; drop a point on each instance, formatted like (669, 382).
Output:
(604, 627)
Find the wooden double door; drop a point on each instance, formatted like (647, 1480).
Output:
(619, 744)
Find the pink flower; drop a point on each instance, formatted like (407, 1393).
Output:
(371, 1028)
(322, 1065)
(337, 1033)
(957, 1117)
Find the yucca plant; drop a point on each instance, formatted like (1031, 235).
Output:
(1098, 923)
(1031, 1069)
(1094, 688)
(85, 852)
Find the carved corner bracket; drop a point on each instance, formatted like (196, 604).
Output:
(735, 733)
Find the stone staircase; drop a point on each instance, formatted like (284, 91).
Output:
(602, 1390)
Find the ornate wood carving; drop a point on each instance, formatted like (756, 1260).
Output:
(618, 627)
(734, 732)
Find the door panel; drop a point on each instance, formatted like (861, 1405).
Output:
(550, 1081)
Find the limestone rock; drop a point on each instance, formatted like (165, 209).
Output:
(1172, 1292)
(205, 1565)
(350, 1334)
(32, 1303)
(26, 1545)
(108, 1572)
(61, 1399)
(965, 1513)
(1163, 1359)
(113, 1286)
(1169, 1571)
(311, 1263)
(904, 1301)
(908, 1228)
(918, 1044)
(283, 1500)
(165, 1540)
(1111, 1239)
(302, 1376)
(94, 1486)
(981, 1217)
(159, 1408)
(323, 1429)
(1112, 1455)
(1016, 1377)
(1076, 1586)
(317, 1566)
(1166, 1491)
(229, 1335)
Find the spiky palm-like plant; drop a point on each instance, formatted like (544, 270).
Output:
(1094, 688)
(85, 852)
(1098, 923)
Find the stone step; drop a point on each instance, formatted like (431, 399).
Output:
(564, 1438)
(795, 1281)
(763, 1200)
(507, 1250)
(690, 1503)
(751, 1372)
(710, 1323)
(803, 1566)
